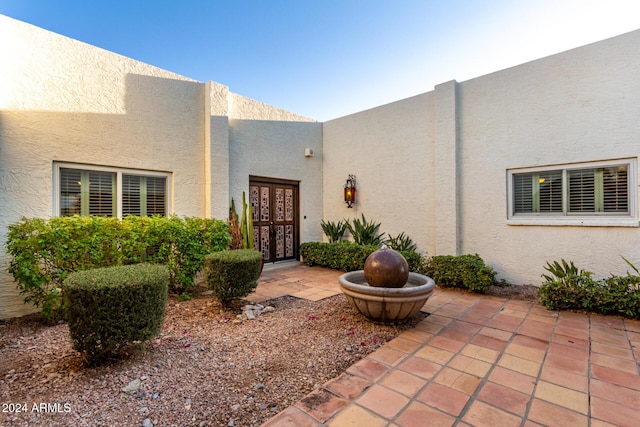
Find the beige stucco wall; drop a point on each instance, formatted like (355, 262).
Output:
(270, 142)
(63, 100)
(390, 149)
(578, 106)
(435, 166)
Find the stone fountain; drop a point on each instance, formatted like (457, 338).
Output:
(386, 291)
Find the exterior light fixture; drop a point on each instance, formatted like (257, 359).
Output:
(350, 191)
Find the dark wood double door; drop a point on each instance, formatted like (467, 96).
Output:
(275, 217)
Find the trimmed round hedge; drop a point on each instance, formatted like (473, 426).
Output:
(110, 308)
(232, 274)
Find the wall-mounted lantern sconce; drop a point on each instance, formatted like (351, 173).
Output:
(350, 191)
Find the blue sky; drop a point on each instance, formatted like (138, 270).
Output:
(329, 58)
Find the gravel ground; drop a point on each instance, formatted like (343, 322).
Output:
(206, 368)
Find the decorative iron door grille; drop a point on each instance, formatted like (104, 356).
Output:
(275, 217)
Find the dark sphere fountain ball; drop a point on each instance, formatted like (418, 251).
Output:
(386, 268)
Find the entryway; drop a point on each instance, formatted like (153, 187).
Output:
(275, 217)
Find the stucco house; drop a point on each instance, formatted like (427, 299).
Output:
(525, 165)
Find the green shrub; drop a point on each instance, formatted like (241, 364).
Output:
(334, 230)
(347, 256)
(568, 288)
(463, 271)
(44, 252)
(232, 274)
(110, 308)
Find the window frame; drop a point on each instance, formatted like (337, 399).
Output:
(119, 172)
(567, 218)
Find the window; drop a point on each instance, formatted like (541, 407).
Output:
(583, 194)
(105, 191)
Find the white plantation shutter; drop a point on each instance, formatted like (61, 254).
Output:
(94, 192)
(156, 195)
(101, 193)
(596, 191)
(131, 195)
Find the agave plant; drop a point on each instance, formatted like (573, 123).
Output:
(334, 230)
(402, 242)
(365, 232)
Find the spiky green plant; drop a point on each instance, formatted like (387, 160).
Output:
(334, 230)
(365, 232)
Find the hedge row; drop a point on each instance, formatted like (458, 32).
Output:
(45, 251)
(347, 256)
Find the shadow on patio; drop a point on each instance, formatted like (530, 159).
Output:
(475, 360)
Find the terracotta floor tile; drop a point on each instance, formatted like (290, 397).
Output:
(600, 423)
(458, 380)
(321, 404)
(355, 416)
(504, 322)
(614, 412)
(609, 336)
(444, 398)
(612, 350)
(368, 369)
(565, 378)
(403, 382)
(515, 312)
(535, 329)
(515, 380)
(291, 417)
(504, 398)
(474, 318)
(470, 365)
(348, 386)
(578, 343)
(429, 327)
(488, 342)
(632, 325)
(403, 344)
(525, 352)
(614, 376)
(568, 363)
(448, 344)
(574, 321)
(613, 362)
(420, 367)
(417, 414)
(604, 321)
(383, 401)
(518, 364)
(537, 343)
(622, 395)
(416, 335)
(481, 353)
(561, 396)
(439, 320)
(582, 334)
(545, 317)
(481, 414)
(551, 415)
(498, 334)
(387, 355)
(434, 354)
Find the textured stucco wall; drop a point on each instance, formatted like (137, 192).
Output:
(269, 142)
(435, 166)
(578, 106)
(63, 100)
(390, 149)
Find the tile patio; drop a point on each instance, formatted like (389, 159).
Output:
(474, 361)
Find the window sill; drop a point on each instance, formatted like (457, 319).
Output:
(576, 222)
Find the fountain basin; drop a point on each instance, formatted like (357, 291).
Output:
(386, 305)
